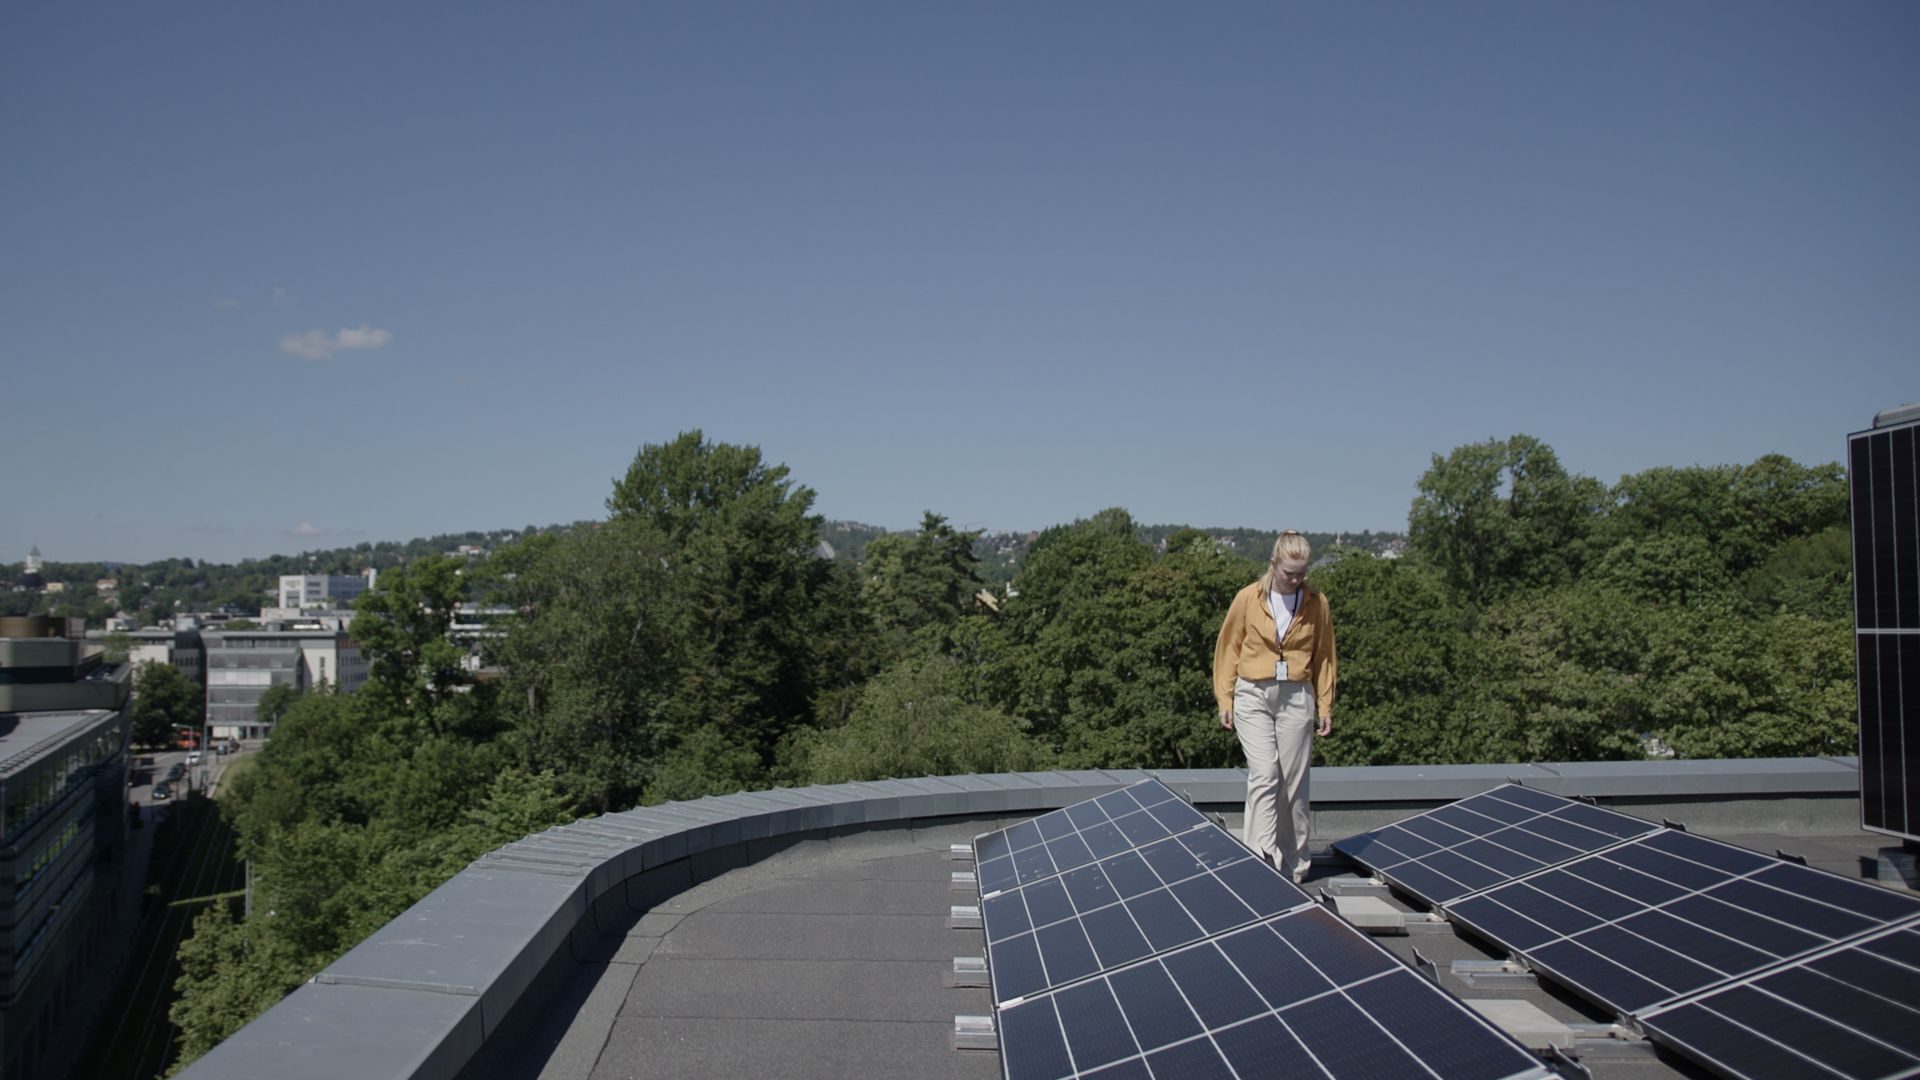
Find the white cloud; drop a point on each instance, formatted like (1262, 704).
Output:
(307, 530)
(317, 345)
(364, 338)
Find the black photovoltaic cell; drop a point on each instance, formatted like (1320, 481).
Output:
(1486, 840)
(1852, 1011)
(1884, 484)
(1671, 914)
(1077, 835)
(1171, 892)
(1298, 995)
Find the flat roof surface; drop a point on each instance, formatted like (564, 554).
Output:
(24, 736)
(829, 959)
(826, 960)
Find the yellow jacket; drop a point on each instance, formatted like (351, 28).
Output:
(1246, 647)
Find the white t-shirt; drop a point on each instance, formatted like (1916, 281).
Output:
(1283, 612)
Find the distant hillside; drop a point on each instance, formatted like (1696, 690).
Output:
(849, 539)
(153, 591)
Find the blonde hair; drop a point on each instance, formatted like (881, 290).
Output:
(1289, 545)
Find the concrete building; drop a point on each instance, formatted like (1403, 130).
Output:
(179, 647)
(242, 665)
(63, 776)
(303, 591)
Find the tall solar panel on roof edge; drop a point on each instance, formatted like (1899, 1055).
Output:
(1883, 486)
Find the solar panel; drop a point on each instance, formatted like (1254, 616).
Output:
(1853, 1010)
(1670, 914)
(1485, 840)
(1298, 995)
(1054, 843)
(1883, 478)
(1115, 910)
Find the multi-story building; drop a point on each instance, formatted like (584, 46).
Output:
(63, 766)
(180, 647)
(242, 665)
(300, 591)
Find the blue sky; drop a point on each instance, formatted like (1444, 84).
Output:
(275, 278)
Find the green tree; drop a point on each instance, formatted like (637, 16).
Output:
(1404, 654)
(913, 581)
(739, 544)
(595, 661)
(164, 701)
(401, 625)
(1497, 517)
(1720, 686)
(1808, 575)
(1742, 512)
(1145, 697)
(228, 975)
(1554, 675)
(1056, 619)
(275, 702)
(1663, 569)
(918, 719)
(847, 643)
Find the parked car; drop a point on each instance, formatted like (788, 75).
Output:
(193, 757)
(162, 791)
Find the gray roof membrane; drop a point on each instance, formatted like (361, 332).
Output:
(633, 943)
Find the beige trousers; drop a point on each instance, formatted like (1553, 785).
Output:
(1275, 723)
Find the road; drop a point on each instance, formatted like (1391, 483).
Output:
(184, 856)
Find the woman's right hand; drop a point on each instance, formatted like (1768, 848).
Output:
(1226, 719)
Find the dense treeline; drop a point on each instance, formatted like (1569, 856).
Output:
(152, 592)
(696, 642)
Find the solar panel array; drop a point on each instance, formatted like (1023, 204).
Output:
(1710, 945)
(1669, 914)
(1076, 835)
(1184, 955)
(1127, 906)
(1300, 995)
(1852, 1011)
(1487, 839)
(1884, 480)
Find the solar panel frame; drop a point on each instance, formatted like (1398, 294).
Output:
(1486, 840)
(1298, 994)
(1618, 928)
(1883, 480)
(1053, 843)
(1176, 890)
(1852, 1009)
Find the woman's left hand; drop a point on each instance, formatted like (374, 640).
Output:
(1326, 726)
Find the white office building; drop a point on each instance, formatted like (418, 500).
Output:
(303, 591)
(242, 665)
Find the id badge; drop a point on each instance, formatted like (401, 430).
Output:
(1280, 669)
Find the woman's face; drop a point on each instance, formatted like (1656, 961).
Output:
(1289, 573)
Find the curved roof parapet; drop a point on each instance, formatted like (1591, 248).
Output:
(418, 998)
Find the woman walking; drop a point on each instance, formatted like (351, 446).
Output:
(1273, 672)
